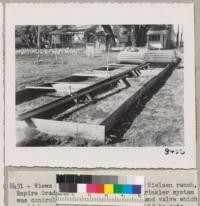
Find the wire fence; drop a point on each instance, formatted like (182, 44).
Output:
(56, 51)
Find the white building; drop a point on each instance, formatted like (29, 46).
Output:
(161, 37)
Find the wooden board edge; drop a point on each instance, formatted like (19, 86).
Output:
(72, 129)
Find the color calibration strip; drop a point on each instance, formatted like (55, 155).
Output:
(100, 184)
(102, 190)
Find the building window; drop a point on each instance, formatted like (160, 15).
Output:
(154, 38)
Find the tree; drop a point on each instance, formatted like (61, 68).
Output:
(137, 34)
(23, 33)
(29, 34)
(131, 35)
(109, 37)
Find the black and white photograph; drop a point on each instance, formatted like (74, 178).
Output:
(92, 90)
(99, 85)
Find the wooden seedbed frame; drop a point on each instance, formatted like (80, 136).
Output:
(40, 117)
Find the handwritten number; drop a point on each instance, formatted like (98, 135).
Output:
(169, 151)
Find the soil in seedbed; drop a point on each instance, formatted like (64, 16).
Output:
(96, 112)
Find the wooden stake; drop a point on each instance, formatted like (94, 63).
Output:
(108, 59)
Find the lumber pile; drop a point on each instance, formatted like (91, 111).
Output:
(161, 56)
(156, 56)
(131, 57)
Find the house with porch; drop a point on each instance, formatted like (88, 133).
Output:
(161, 37)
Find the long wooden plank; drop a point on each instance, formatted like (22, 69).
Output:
(41, 88)
(122, 65)
(71, 129)
(53, 108)
(69, 88)
(102, 74)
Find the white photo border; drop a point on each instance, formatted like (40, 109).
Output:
(100, 13)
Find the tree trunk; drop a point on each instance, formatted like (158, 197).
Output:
(107, 42)
(133, 36)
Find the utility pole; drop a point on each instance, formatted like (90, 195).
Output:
(181, 40)
(177, 38)
(38, 44)
(133, 37)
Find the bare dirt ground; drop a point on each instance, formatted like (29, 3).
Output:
(157, 120)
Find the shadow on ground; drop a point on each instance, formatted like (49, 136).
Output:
(116, 134)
